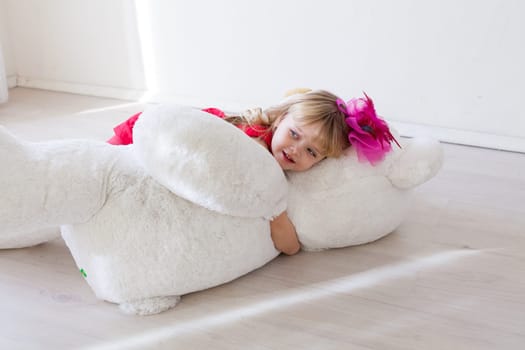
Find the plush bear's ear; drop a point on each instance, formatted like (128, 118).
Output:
(420, 161)
(210, 162)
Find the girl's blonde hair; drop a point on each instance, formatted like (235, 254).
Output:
(314, 107)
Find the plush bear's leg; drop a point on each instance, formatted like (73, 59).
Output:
(13, 239)
(44, 185)
(150, 306)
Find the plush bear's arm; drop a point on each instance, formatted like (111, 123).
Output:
(209, 162)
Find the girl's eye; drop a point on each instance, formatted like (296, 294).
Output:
(312, 152)
(293, 133)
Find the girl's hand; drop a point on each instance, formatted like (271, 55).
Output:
(284, 236)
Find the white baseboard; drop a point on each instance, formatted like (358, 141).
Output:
(81, 89)
(462, 137)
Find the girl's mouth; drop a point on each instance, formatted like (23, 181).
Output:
(285, 155)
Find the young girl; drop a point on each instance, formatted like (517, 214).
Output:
(300, 132)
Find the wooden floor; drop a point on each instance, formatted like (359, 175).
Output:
(451, 277)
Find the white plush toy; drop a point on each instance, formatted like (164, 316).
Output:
(181, 210)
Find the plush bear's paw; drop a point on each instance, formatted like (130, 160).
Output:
(150, 306)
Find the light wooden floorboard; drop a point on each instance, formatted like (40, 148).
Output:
(450, 277)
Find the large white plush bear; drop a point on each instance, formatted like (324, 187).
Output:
(187, 206)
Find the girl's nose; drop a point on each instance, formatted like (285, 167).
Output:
(296, 152)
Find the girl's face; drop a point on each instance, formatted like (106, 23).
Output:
(295, 146)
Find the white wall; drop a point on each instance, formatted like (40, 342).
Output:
(452, 67)
(5, 44)
(80, 46)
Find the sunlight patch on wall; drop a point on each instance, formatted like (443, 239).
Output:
(145, 33)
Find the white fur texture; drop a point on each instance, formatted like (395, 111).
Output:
(141, 245)
(201, 158)
(149, 306)
(147, 242)
(42, 186)
(342, 202)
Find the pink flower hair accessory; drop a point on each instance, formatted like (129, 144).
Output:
(368, 133)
